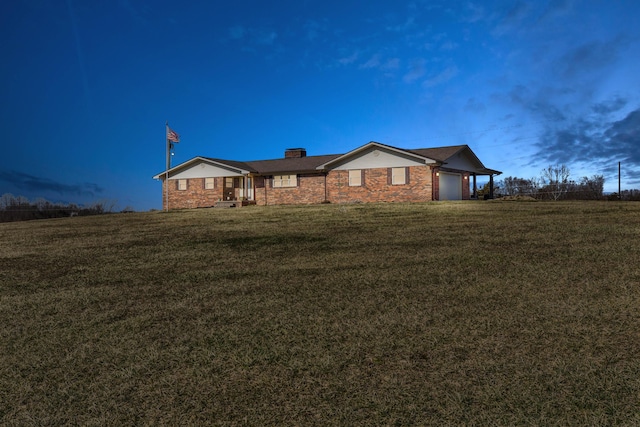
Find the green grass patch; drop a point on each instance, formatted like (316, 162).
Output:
(471, 313)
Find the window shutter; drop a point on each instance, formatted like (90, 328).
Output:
(297, 180)
(389, 176)
(407, 175)
(362, 182)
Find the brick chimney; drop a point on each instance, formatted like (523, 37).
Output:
(294, 153)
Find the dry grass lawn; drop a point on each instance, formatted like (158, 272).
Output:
(469, 313)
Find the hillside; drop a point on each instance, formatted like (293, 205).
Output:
(391, 314)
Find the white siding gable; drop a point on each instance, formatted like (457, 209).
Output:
(204, 170)
(462, 161)
(376, 157)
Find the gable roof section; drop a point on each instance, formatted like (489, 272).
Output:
(443, 154)
(440, 154)
(239, 167)
(341, 158)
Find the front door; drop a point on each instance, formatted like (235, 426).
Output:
(229, 191)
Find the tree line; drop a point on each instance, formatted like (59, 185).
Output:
(555, 183)
(20, 208)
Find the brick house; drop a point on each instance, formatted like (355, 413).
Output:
(374, 172)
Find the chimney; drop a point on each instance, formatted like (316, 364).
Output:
(294, 153)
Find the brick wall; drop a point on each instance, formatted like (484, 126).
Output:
(421, 186)
(310, 190)
(376, 187)
(195, 196)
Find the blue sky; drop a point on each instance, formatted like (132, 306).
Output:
(87, 86)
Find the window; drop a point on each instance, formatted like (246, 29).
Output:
(355, 178)
(209, 183)
(285, 181)
(398, 176)
(182, 184)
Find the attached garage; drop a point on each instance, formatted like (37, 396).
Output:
(450, 186)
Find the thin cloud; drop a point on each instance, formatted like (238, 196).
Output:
(79, 53)
(443, 77)
(252, 37)
(139, 12)
(373, 62)
(408, 25)
(237, 32)
(556, 9)
(348, 60)
(35, 184)
(609, 106)
(416, 71)
(593, 141)
(518, 12)
(591, 56)
(542, 103)
(391, 64)
(266, 37)
(512, 19)
(475, 106)
(472, 13)
(315, 29)
(449, 45)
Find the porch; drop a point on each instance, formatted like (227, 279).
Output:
(233, 203)
(237, 191)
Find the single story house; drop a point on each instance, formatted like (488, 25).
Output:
(374, 172)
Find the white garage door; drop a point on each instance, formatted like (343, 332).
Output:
(450, 186)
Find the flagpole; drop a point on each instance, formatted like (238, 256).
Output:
(166, 179)
(171, 136)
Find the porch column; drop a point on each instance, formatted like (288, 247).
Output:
(491, 186)
(475, 188)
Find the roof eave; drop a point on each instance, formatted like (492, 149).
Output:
(163, 175)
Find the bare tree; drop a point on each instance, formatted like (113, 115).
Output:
(556, 179)
(514, 186)
(7, 200)
(590, 188)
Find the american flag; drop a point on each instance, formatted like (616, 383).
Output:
(172, 135)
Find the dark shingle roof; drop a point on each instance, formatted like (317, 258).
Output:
(308, 164)
(295, 164)
(232, 163)
(438, 153)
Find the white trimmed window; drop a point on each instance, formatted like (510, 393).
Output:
(398, 176)
(285, 181)
(209, 183)
(182, 184)
(355, 178)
